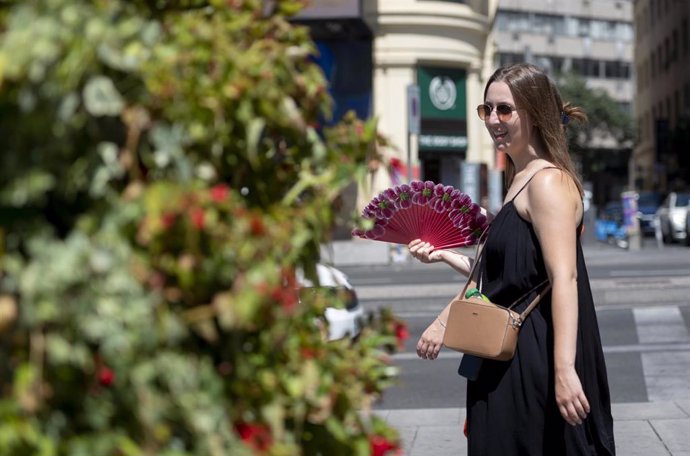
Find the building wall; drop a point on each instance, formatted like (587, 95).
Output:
(597, 30)
(662, 109)
(407, 38)
(413, 33)
(592, 38)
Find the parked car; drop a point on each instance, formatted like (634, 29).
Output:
(343, 321)
(687, 227)
(672, 215)
(609, 227)
(647, 205)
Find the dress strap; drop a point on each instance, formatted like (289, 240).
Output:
(530, 180)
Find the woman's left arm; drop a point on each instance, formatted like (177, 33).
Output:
(555, 210)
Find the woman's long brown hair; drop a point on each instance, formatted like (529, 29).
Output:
(534, 92)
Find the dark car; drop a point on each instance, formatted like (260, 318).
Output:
(647, 205)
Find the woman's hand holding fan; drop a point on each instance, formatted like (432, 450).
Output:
(440, 215)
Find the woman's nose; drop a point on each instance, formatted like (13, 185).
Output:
(493, 118)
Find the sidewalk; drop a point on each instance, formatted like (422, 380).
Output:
(358, 252)
(641, 429)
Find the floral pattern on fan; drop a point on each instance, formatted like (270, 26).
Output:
(438, 214)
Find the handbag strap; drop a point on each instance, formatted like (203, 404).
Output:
(530, 307)
(534, 302)
(477, 254)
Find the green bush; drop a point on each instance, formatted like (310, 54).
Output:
(163, 181)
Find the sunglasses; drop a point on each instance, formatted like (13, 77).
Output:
(503, 111)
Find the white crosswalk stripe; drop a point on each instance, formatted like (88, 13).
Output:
(660, 324)
(665, 373)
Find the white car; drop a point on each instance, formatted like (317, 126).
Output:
(342, 322)
(672, 216)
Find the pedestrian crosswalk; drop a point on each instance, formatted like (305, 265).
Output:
(644, 321)
(647, 351)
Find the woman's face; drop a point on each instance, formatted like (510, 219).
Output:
(510, 131)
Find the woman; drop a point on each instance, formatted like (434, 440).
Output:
(552, 398)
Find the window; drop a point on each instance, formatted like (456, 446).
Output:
(512, 21)
(588, 68)
(640, 123)
(506, 58)
(614, 69)
(624, 31)
(667, 53)
(625, 107)
(548, 24)
(557, 25)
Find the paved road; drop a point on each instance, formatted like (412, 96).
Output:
(643, 307)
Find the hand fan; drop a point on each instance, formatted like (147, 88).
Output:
(440, 215)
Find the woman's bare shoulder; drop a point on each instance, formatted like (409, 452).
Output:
(554, 188)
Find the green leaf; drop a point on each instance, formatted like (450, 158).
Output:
(101, 97)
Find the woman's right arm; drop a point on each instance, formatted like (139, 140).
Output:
(424, 252)
(431, 341)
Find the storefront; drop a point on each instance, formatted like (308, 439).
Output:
(344, 42)
(442, 140)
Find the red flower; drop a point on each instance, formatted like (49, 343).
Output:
(106, 376)
(381, 445)
(196, 216)
(308, 353)
(287, 297)
(219, 193)
(168, 220)
(401, 333)
(256, 226)
(256, 436)
(287, 293)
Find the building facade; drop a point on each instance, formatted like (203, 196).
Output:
(442, 48)
(591, 38)
(661, 161)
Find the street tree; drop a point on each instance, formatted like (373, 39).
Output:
(605, 116)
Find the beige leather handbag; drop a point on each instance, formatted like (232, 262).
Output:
(479, 327)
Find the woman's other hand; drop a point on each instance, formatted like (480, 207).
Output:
(429, 345)
(424, 252)
(570, 397)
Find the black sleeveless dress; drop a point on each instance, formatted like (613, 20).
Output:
(511, 406)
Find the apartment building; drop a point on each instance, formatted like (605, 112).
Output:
(661, 161)
(592, 38)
